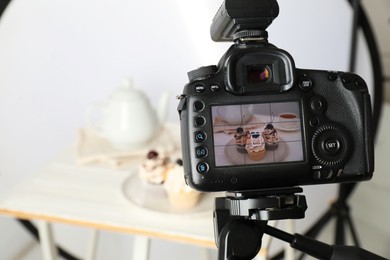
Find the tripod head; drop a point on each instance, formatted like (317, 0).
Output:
(245, 214)
(240, 221)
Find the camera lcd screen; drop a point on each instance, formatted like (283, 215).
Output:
(264, 133)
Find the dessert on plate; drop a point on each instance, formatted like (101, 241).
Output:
(255, 146)
(271, 137)
(240, 137)
(180, 195)
(154, 168)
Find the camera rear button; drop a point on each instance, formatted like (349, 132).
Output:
(331, 146)
(314, 121)
(200, 88)
(200, 121)
(215, 87)
(305, 83)
(198, 106)
(323, 174)
(317, 104)
(200, 137)
(202, 167)
(201, 151)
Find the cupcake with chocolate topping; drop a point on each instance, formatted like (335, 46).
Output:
(240, 137)
(271, 137)
(255, 146)
(180, 195)
(153, 168)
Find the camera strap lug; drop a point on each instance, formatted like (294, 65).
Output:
(182, 104)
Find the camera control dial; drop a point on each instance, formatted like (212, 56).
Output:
(330, 145)
(202, 73)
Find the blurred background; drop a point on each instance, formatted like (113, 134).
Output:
(57, 57)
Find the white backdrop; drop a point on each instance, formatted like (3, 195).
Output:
(57, 57)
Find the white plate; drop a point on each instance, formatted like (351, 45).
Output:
(279, 126)
(237, 158)
(154, 197)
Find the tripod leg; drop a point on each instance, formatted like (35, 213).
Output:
(320, 224)
(340, 233)
(353, 231)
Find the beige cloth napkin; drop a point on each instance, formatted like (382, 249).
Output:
(92, 148)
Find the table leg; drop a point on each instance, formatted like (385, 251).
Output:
(204, 253)
(92, 247)
(46, 237)
(289, 252)
(141, 248)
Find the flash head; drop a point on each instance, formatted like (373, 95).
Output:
(235, 16)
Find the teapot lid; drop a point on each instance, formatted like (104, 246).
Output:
(127, 91)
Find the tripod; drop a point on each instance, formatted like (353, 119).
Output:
(240, 221)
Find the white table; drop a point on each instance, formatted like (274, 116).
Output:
(65, 192)
(92, 197)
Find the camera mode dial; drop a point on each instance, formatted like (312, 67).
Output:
(330, 145)
(202, 73)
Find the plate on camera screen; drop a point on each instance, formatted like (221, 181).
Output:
(237, 155)
(287, 128)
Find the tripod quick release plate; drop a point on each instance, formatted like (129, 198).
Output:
(270, 204)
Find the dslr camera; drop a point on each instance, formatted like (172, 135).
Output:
(255, 121)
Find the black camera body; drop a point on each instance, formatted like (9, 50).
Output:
(256, 122)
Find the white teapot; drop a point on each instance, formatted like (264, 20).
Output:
(127, 119)
(235, 114)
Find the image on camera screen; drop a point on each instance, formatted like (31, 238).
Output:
(264, 133)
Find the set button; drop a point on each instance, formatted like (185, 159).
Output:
(331, 146)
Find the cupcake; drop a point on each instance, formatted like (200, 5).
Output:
(240, 137)
(271, 137)
(180, 195)
(255, 146)
(154, 168)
